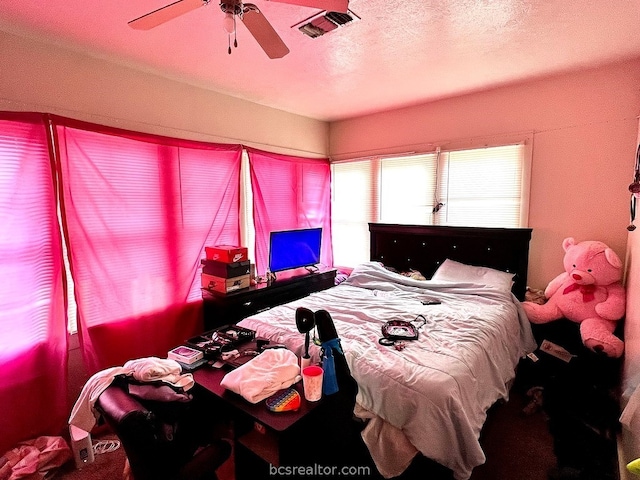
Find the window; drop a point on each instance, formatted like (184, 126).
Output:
(481, 187)
(289, 192)
(138, 211)
(355, 203)
(33, 337)
(407, 186)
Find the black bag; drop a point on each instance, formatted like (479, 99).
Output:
(399, 330)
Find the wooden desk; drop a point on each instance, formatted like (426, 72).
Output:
(264, 439)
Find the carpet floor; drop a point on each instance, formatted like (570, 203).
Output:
(517, 447)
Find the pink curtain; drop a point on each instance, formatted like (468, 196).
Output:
(33, 323)
(139, 210)
(288, 193)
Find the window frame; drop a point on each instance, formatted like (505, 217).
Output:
(376, 157)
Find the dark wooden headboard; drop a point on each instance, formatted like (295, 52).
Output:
(425, 247)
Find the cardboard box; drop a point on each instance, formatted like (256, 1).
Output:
(225, 285)
(226, 270)
(184, 354)
(226, 253)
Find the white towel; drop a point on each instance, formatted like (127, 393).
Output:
(262, 376)
(153, 369)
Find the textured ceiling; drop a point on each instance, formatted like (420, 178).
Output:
(400, 53)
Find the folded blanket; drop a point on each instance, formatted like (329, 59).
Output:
(262, 376)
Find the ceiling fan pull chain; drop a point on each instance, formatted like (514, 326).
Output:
(248, 13)
(235, 33)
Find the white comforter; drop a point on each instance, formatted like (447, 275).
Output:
(436, 392)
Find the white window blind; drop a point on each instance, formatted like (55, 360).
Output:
(247, 232)
(354, 205)
(480, 187)
(407, 189)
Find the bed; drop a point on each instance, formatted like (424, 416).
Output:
(432, 396)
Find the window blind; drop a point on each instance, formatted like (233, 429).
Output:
(355, 202)
(482, 187)
(139, 210)
(289, 193)
(33, 335)
(407, 189)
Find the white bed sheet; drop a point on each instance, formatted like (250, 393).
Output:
(436, 391)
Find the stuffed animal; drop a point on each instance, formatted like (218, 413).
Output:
(588, 292)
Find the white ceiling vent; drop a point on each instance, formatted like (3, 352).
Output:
(325, 22)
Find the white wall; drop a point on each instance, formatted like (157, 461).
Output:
(583, 127)
(38, 77)
(35, 76)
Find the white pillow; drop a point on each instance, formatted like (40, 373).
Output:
(452, 271)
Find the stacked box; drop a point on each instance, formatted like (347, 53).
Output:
(226, 268)
(226, 253)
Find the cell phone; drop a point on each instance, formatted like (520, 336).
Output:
(431, 302)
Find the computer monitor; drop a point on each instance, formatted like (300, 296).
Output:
(289, 249)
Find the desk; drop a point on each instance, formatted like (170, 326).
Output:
(223, 309)
(263, 438)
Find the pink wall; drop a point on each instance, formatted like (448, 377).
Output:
(583, 127)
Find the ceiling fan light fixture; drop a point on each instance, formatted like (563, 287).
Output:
(248, 13)
(229, 23)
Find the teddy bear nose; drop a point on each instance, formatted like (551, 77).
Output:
(576, 276)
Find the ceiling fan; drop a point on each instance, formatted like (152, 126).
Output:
(248, 13)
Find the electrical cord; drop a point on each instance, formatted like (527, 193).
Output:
(105, 446)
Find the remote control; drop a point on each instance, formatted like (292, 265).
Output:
(284, 400)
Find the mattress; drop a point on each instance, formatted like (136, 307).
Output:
(434, 393)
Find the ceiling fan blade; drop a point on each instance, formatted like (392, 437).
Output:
(263, 32)
(328, 5)
(166, 13)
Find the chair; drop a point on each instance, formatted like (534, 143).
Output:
(163, 440)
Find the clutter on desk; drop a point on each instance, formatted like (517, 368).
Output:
(226, 338)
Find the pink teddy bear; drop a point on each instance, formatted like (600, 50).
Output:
(588, 292)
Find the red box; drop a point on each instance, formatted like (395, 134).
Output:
(226, 253)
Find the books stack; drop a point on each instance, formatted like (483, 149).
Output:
(226, 268)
